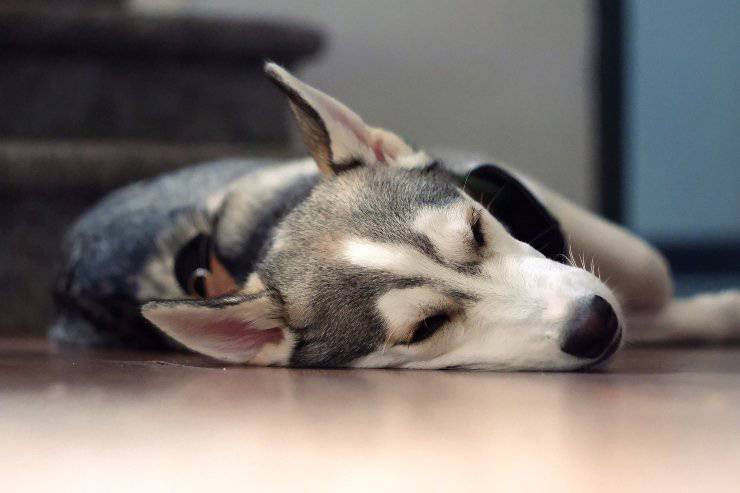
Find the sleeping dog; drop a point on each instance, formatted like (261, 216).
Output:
(370, 253)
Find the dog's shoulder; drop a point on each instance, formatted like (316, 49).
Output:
(253, 205)
(112, 241)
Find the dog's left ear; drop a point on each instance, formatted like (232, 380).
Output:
(335, 135)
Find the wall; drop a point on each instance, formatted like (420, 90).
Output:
(509, 77)
(684, 120)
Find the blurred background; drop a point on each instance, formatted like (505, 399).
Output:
(629, 108)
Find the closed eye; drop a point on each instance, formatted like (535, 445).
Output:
(476, 227)
(428, 327)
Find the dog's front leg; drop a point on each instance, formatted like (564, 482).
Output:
(641, 278)
(712, 318)
(637, 272)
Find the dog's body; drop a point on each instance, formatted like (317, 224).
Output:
(121, 253)
(379, 256)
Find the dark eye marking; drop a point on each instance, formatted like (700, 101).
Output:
(477, 228)
(428, 327)
(432, 167)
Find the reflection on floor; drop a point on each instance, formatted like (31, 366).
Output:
(658, 420)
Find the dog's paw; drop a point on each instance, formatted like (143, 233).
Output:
(728, 312)
(717, 315)
(706, 318)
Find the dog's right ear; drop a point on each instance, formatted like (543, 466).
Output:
(335, 135)
(241, 328)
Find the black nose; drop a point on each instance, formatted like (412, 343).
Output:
(591, 330)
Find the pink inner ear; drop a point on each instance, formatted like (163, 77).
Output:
(235, 333)
(381, 152)
(358, 128)
(241, 334)
(348, 120)
(352, 122)
(226, 338)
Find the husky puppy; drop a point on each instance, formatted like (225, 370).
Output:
(369, 254)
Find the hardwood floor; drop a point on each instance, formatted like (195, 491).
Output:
(657, 420)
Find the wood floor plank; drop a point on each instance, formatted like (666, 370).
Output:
(657, 419)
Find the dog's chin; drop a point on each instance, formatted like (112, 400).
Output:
(602, 361)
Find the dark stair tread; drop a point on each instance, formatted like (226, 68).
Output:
(120, 34)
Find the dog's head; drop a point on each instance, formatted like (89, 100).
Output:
(389, 263)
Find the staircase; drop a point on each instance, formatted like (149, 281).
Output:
(93, 96)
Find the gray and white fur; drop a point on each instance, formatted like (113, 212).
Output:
(367, 254)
